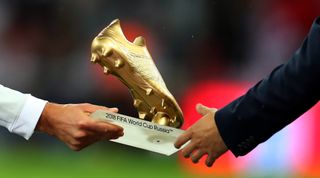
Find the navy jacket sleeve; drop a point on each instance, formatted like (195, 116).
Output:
(274, 102)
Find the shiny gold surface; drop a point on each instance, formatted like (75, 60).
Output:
(133, 65)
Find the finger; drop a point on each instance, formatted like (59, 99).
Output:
(182, 139)
(74, 148)
(111, 136)
(201, 109)
(79, 140)
(186, 152)
(210, 160)
(83, 145)
(75, 145)
(195, 156)
(102, 127)
(86, 107)
(94, 136)
(114, 109)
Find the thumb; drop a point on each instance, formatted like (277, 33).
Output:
(183, 138)
(201, 109)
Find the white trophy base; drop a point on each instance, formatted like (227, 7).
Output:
(142, 134)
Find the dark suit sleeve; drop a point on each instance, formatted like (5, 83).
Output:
(274, 102)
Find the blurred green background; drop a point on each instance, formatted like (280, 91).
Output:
(100, 160)
(51, 159)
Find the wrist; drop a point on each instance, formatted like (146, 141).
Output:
(43, 124)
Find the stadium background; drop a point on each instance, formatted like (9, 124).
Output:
(207, 51)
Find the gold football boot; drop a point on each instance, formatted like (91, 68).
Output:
(133, 65)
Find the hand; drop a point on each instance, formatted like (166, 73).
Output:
(204, 138)
(71, 124)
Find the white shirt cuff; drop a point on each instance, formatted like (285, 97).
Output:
(25, 124)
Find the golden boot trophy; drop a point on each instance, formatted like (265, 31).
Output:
(133, 65)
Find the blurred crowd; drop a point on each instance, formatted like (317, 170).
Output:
(45, 44)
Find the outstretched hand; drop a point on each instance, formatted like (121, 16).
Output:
(71, 124)
(204, 138)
